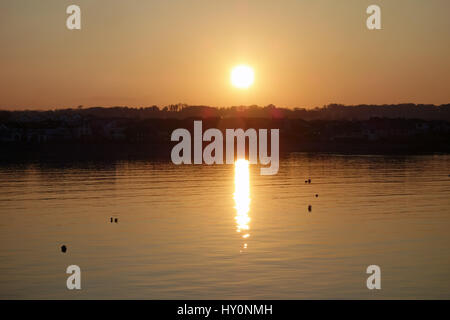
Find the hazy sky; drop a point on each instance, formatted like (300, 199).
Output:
(305, 53)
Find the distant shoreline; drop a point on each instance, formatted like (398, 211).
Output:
(181, 111)
(124, 133)
(143, 151)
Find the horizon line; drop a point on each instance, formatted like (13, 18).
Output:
(184, 105)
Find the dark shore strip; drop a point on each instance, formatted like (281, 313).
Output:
(12, 152)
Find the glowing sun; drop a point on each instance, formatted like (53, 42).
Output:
(242, 76)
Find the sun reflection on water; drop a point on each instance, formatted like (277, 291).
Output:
(242, 198)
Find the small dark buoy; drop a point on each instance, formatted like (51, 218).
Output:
(317, 195)
(309, 208)
(63, 248)
(116, 220)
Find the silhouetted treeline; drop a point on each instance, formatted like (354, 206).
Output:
(182, 111)
(110, 135)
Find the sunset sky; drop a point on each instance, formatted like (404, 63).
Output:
(304, 53)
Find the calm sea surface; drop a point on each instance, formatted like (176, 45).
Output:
(208, 232)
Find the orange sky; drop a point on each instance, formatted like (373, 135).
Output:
(305, 53)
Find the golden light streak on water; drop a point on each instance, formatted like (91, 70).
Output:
(242, 197)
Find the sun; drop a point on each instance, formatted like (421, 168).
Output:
(242, 76)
